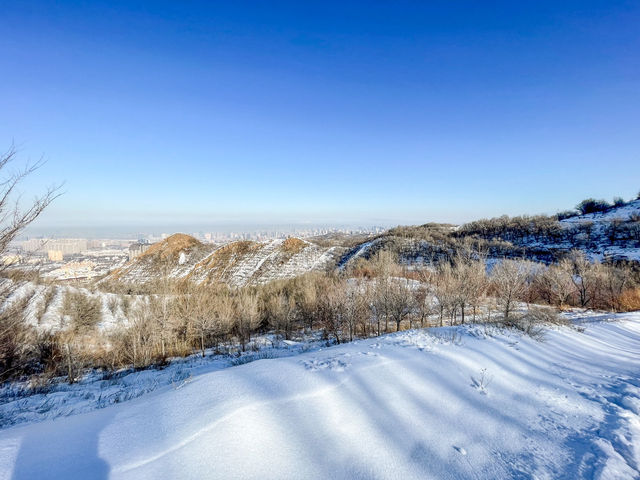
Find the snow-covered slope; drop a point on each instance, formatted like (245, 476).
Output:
(471, 402)
(622, 213)
(174, 257)
(44, 307)
(242, 263)
(236, 263)
(605, 227)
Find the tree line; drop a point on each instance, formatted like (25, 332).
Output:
(373, 297)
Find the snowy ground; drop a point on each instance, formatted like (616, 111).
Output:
(27, 401)
(464, 402)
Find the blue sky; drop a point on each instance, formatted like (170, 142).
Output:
(279, 112)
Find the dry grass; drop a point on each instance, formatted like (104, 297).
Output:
(293, 245)
(171, 246)
(224, 255)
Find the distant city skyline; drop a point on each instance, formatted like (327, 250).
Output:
(132, 233)
(364, 113)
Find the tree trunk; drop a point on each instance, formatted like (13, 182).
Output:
(69, 364)
(135, 353)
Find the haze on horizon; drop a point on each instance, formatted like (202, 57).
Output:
(189, 113)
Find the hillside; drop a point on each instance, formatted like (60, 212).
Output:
(611, 235)
(243, 263)
(465, 402)
(237, 263)
(173, 257)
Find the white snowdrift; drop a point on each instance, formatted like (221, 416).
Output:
(472, 402)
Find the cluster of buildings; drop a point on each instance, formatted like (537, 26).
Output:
(262, 235)
(59, 249)
(56, 249)
(138, 248)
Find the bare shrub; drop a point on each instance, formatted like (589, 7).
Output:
(510, 280)
(83, 311)
(15, 337)
(532, 322)
(591, 205)
(629, 300)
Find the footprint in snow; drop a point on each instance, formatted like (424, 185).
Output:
(327, 364)
(460, 450)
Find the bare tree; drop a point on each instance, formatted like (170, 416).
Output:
(557, 280)
(445, 290)
(247, 316)
(613, 281)
(423, 303)
(468, 279)
(161, 309)
(355, 307)
(308, 299)
(213, 315)
(140, 336)
(400, 302)
(510, 280)
(583, 273)
(14, 332)
(14, 217)
(333, 310)
(281, 310)
(384, 266)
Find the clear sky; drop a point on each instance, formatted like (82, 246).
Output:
(368, 112)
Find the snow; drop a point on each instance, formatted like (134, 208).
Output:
(23, 402)
(268, 261)
(460, 402)
(361, 250)
(624, 212)
(52, 319)
(265, 262)
(601, 249)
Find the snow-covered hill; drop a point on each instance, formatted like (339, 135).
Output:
(242, 263)
(621, 213)
(613, 234)
(469, 402)
(237, 263)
